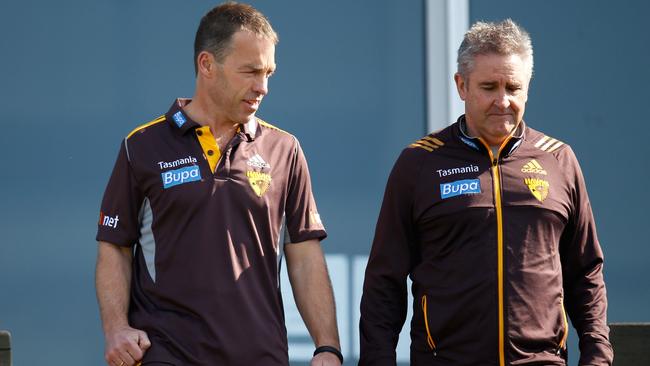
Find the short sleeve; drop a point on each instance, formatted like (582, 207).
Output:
(119, 214)
(303, 221)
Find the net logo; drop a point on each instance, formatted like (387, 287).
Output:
(179, 176)
(108, 221)
(459, 187)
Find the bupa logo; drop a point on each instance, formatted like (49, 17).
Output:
(465, 186)
(179, 176)
(108, 221)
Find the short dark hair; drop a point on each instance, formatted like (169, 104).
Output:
(219, 24)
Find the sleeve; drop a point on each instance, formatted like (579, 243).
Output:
(384, 299)
(119, 214)
(302, 218)
(582, 270)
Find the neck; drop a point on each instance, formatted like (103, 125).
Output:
(205, 113)
(494, 143)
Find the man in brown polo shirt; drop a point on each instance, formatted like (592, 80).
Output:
(492, 222)
(200, 207)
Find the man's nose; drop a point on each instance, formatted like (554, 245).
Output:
(502, 100)
(261, 85)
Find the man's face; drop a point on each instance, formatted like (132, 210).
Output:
(241, 81)
(495, 94)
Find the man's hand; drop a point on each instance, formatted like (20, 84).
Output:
(126, 346)
(325, 359)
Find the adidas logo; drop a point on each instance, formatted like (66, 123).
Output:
(257, 162)
(533, 167)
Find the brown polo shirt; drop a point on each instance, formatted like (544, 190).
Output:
(206, 227)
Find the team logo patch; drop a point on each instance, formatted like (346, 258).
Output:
(259, 181)
(533, 167)
(538, 187)
(459, 187)
(188, 174)
(179, 118)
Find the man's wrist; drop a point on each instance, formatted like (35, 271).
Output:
(329, 349)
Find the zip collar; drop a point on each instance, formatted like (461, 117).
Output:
(475, 143)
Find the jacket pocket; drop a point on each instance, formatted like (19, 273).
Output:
(565, 328)
(430, 342)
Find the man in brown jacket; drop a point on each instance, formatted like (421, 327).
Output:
(492, 222)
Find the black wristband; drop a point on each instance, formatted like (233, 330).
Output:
(329, 349)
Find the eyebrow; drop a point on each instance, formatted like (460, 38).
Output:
(257, 67)
(491, 83)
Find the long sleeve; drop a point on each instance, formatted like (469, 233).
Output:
(582, 267)
(384, 300)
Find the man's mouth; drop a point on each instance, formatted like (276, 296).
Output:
(253, 102)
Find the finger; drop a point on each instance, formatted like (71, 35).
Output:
(126, 358)
(134, 351)
(133, 347)
(113, 357)
(143, 341)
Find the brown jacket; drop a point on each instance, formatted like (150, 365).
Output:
(500, 250)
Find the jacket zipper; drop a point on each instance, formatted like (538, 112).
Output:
(430, 341)
(497, 198)
(496, 179)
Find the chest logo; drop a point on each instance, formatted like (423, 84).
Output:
(460, 170)
(257, 162)
(259, 181)
(459, 187)
(533, 167)
(538, 187)
(188, 174)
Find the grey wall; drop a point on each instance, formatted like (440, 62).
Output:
(77, 76)
(590, 89)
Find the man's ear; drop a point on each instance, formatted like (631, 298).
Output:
(461, 85)
(206, 64)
